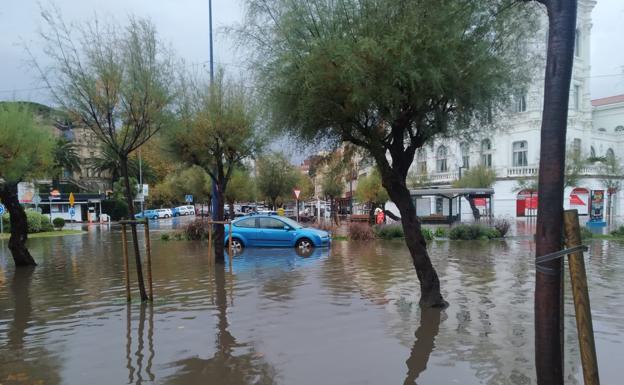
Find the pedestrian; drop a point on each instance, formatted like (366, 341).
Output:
(380, 216)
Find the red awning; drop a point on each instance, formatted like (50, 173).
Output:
(575, 200)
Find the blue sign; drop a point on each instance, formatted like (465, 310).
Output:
(1, 209)
(188, 198)
(72, 212)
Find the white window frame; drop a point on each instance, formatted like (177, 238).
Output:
(520, 153)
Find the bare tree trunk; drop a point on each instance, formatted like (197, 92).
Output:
(430, 295)
(475, 210)
(231, 211)
(19, 226)
(135, 240)
(371, 214)
(548, 237)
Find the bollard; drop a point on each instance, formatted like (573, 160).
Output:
(148, 248)
(578, 278)
(230, 250)
(126, 265)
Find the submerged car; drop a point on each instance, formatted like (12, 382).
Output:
(183, 210)
(149, 214)
(164, 213)
(274, 231)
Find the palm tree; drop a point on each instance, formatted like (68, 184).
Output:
(66, 160)
(108, 163)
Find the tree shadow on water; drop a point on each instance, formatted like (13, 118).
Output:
(430, 319)
(228, 365)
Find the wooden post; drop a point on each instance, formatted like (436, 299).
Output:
(148, 248)
(580, 293)
(124, 241)
(230, 251)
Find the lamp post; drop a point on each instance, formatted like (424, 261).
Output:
(459, 211)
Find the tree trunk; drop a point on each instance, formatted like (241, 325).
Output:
(430, 295)
(219, 233)
(475, 211)
(135, 240)
(371, 213)
(548, 237)
(231, 211)
(19, 226)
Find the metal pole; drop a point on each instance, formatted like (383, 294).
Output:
(210, 242)
(141, 180)
(148, 248)
(126, 264)
(231, 251)
(211, 51)
(297, 209)
(580, 292)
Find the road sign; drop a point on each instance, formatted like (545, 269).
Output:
(188, 198)
(1, 209)
(36, 199)
(72, 212)
(297, 192)
(71, 199)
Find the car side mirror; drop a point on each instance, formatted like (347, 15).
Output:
(287, 228)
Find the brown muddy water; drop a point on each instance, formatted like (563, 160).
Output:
(347, 315)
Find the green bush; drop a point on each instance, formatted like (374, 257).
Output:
(427, 234)
(440, 232)
(619, 232)
(468, 232)
(36, 221)
(6, 222)
(586, 233)
(196, 230)
(58, 223)
(46, 225)
(389, 231)
(165, 237)
(115, 208)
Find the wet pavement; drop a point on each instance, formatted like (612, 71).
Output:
(348, 315)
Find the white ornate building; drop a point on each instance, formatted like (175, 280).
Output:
(595, 128)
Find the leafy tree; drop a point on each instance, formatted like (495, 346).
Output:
(370, 190)
(333, 182)
(388, 76)
(305, 185)
(217, 133)
(276, 177)
(241, 189)
(25, 152)
(476, 177)
(66, 159)
(116, 81)
(612, 172)
(189, 180)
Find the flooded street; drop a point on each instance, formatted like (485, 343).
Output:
(347, 315)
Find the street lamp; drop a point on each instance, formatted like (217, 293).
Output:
(459, 211)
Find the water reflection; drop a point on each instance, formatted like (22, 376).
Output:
(136, 371)
(423, 344)
(233, 363)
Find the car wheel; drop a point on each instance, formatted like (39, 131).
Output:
(166, 216)
(304, 244)
(237, 245)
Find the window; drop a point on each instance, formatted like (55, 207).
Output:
(486, 153)
(465, 154)
(576, 146)
(592, 152)
(520, 102)
(577, 43)
(602, 129)
(248, 223)
(610, 154)
(520, 154)
(421, 161)
(271, 223)
(441, 160)
(619, 128)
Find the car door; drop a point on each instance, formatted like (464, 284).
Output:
(247, 229)
(272, 232)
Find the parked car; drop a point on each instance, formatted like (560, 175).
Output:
(164, 213)
(149, 214)
(274, 231)
(183, 210)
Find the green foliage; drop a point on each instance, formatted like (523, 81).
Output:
(276, 177)
(440, 232)
(58, 223)
(305, 185)
(117, 209)
(477, 177)
(119, 188)
(6, 222)
(612, 173)
(502, 225)
(65, 157)
(333, 182)
(586, 233)
(165, 236)
(369, 189)
(427, 234)
(241, 187)
(468, 232)
(574, 164)
(389, 231)
(189, 180)
(37, 222)
(619, 232)
(197, 230)
(25, 149)
(46, 225)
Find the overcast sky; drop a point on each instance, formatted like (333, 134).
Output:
(184, 24)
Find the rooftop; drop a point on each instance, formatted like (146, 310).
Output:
(608, 100)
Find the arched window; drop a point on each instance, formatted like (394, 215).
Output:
(592, 152)
(609, 154)
(441, 159)
(486, 153)
(520, 152)
(619, 128)
(602, 129)
(421, 161)
(465, 154)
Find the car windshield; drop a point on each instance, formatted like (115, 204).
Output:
(290, 223)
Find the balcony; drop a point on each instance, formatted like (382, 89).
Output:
(520, 172)
(443, 177)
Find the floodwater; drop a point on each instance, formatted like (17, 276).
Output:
(348, 315)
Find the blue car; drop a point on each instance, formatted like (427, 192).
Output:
(149, 214)
(274, 231)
